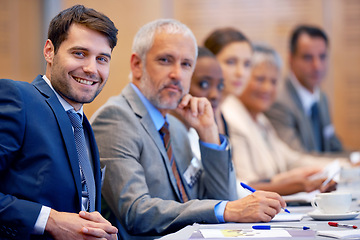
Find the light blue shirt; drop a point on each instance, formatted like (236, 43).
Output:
(307, 98)
(159, 121)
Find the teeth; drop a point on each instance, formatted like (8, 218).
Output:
(79, 80)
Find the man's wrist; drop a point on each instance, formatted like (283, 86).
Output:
(41, 221)
(220, 147)
(219, 210)
(209, 135)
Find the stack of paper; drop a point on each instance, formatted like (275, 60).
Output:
(288, 217)
(344, 234)
(237, 233)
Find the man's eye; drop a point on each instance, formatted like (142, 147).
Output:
(103, 59)
(79, 54)
(187, 64)
(164, 60)
(323, 57)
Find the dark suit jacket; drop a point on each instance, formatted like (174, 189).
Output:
(38, 158)
(293, 125)
(144, 198)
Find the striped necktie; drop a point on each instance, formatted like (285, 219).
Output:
(167, 143)
(87, 176)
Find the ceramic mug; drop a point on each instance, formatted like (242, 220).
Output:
(333, 202)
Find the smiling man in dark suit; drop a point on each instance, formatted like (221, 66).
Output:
(49, 166)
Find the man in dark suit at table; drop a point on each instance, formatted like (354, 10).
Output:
(50, 179)
(301, 113)
(163, 188)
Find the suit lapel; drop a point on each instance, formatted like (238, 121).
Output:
(65, 129)
(96, 162)
(145, 120)
(305, 127)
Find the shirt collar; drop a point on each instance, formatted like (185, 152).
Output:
(154, 113)
(63, 102)
(307, 98)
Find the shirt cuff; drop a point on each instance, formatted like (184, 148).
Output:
(41, 221)
(219, 211)
(221, 147)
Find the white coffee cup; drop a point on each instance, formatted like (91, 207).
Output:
(333, 202)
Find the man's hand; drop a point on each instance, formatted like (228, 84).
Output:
(260, 206)
(198, 113)
(68, 226)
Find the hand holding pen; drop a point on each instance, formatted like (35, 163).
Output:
(260, 206)
(253, 190)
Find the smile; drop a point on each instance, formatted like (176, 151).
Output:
(83, 81)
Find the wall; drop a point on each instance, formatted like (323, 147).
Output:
(268, 21)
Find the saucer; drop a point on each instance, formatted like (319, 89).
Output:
(317, 215)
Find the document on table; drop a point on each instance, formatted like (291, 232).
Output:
(343, 234)
(288, 217)
(238, 233)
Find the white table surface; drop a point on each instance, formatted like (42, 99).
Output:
(192, 232)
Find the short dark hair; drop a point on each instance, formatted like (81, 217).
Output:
(60, 24)
(204, 52)
(312, 31)
(222, 37)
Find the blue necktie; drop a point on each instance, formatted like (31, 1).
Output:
(87, 176)
(316, 125)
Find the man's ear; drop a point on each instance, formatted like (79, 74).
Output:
(49, 51)
(136, 65)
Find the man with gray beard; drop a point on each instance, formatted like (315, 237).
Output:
(159, 190)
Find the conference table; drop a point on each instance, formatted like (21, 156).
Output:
(197, 231)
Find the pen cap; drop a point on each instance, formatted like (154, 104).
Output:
(262, 227)
(333, 224)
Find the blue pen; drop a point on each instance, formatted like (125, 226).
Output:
(268, 227)
(253, 190)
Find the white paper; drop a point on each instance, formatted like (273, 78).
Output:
(238, 233)
(332, 170)
(345, 234)
(288, 217)
(184, 233)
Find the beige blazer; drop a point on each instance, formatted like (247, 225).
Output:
(258, 153)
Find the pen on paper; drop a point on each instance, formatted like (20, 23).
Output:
(253, 190)
(268, 227)
(331, 177)
(335, 224)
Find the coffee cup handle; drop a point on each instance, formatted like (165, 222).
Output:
(314, 202)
